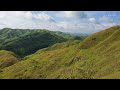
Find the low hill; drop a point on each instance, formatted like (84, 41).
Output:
(7, 58)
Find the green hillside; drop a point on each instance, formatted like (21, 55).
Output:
(98, 56)
(25, 41)
(7, 58)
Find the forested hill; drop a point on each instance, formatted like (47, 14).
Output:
(27, 41)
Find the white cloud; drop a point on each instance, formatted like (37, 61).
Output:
(80, 27)
(24, 15)
(92, 19)
(71, 14)
(109, 24)
(105, 19)
(24, 19)
(43, 16)
(70, 21)
(15, 14)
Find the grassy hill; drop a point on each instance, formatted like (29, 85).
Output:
(7, 58)
(98, 56)
(25, 41)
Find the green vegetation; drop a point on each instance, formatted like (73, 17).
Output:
(96, 57)
(24, 41)
(7, 58)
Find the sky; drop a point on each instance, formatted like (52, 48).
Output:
(65, 21)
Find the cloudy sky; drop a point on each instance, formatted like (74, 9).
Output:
(65, 21)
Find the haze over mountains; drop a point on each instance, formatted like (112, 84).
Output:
(61, 56)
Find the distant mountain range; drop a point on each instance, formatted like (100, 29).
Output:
(77, 34)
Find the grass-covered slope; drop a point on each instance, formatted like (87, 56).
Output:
(98, 56)
(25, 41)
(42, 63)
(7, 58)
